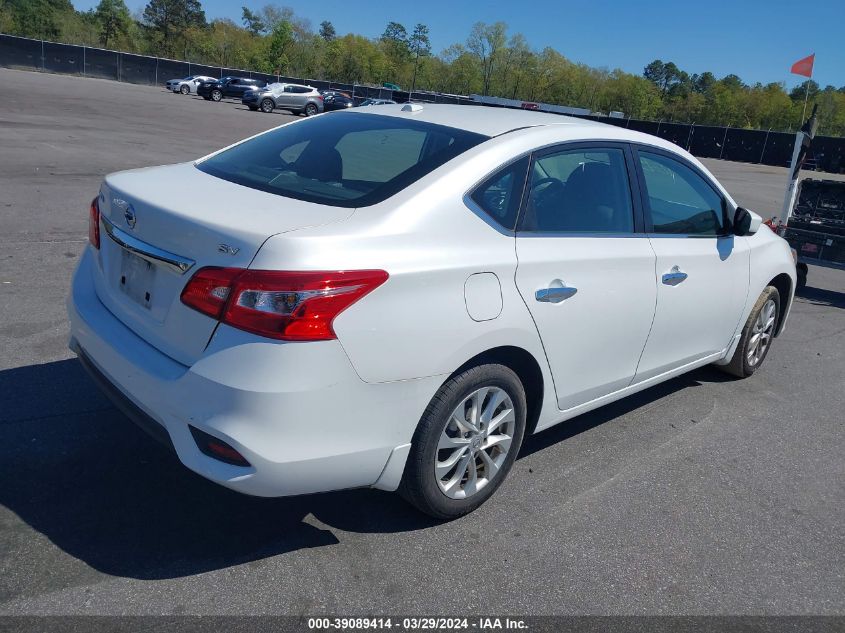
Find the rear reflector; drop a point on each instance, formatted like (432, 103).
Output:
(217, 448)
(290, 306)
(94, 223)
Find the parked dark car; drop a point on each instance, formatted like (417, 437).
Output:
(228, 87)
(337, 102)
(372, 102)
(334, 93)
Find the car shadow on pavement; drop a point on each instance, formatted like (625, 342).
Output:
(74, 469)
(608, 412)
(822, 297)
(77, 471)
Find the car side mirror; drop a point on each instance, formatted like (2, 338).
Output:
(746, 222)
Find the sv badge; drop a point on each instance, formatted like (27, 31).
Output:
(229, 250)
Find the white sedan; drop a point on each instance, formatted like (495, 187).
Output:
(394, 297)
(187, 85)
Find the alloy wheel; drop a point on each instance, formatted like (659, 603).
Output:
(763, 329)
(475, 442)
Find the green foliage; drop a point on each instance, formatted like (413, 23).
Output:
(168, 20)
(252, 22)
(278, 48)
(491, 61)
(37, 18)
(327, 31)
(113, 19)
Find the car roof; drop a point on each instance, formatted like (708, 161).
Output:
(492, 121)
(485, 120)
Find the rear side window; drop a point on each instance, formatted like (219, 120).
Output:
(680, 201)
(341, 159)
(579, 191)
(499, 196)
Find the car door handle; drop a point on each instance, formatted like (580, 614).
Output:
(554, 295)
(674, 276)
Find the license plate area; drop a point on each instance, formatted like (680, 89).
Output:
(137, 278)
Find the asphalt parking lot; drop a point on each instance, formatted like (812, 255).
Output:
(704, 495)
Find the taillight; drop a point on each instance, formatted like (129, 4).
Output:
(94, 223)
(291, 306)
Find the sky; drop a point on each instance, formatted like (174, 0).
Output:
(755, 39)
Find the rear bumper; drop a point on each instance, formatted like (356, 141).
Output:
(121, 402)
(297, 412)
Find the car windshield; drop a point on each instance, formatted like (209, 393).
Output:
(341, 159)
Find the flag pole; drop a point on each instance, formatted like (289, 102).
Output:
(806, 94)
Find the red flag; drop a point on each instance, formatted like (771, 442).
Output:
(804, 66)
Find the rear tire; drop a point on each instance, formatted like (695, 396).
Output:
(185, 90)
(311, 109)
(757, 335)
(267, 106)
(466, 442)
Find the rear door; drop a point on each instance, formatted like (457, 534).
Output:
(586, 269)
(285, 99)
(301, 95)
(234, 88)
(702, 269)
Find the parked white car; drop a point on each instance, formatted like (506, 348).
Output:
(393, 297)
(187, 85)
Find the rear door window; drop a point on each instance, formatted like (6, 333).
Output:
(584, 190)
(346, 159)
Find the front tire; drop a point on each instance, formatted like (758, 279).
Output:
(801, 271)
(267, 106)
(757, 335)
(185, 90)
(466, 442)
(216, 95)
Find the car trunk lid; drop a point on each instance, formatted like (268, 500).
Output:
(162, 224)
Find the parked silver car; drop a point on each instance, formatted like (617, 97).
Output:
(188, 84)
(296, 98)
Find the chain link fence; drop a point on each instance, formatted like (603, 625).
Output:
(727, 143)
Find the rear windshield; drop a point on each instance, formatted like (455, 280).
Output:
(341, 159)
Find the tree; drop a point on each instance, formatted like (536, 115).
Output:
(486, 42)
(704, 82)
(420, 46)
(280, 42)
(396, 47)
(38, 18)
(170, 18)
(252, 21)
(808, 87)
(113, 18)
(327, 31)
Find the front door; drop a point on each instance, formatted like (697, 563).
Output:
(585, 268)
(702, 270)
